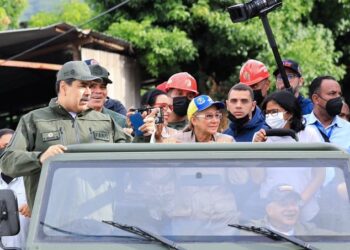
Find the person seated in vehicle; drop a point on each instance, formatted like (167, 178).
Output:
(204, 117)
(282, 208)
(202, 201)
(282, 110)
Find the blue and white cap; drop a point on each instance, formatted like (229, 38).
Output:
(201, 103)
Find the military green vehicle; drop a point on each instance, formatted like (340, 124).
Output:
(193, 196)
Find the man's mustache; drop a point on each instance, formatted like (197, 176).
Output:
(85, 99)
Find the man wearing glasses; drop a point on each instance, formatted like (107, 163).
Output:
(296, 81)
(182, 88)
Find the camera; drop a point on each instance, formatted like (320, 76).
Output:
(159, 117)
(243, 12)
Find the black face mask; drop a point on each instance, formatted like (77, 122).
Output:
(180, 104)
(334, 106)
(258, 97)
(240, 122)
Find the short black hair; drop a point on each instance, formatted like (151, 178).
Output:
(149, 98)
(6, 131)
(290, 103)
(316, 84)
(242, 87)
(68, 81)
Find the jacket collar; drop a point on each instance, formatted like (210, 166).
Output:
(61, 110)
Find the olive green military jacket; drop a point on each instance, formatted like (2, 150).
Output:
(118, 118)
(178, 125)
(49, 126)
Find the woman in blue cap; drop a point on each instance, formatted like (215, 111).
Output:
(204, 116)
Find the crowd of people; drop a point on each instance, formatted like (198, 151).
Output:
(82, 112)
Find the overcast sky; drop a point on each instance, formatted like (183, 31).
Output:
(35, 6)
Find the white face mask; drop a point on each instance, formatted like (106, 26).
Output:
(275, 120)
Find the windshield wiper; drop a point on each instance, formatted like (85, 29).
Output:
(272, 234)
(144, 234)
(65, 231)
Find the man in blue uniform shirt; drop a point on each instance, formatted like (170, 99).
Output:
(326, 95)
(296, 81)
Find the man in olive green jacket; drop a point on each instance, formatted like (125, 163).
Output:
(44, 132)
(99, 94)
(283, 207)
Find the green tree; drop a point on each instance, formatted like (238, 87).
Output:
(213, 48)
(334, 14)
(198, 36)
(73, 12)
(10, 12)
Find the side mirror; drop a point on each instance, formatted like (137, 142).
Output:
(9, 218)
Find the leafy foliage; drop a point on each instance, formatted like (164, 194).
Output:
(73, 12)
(10, 12)
(334, 15)
(160, 48)
(219, 47)
(198, 36)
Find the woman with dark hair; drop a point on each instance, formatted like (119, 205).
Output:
(282, 110)
(156, 98)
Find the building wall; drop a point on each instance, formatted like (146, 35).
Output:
(124, 73)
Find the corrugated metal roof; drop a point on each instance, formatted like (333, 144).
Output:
(15, 41)
(22, 87)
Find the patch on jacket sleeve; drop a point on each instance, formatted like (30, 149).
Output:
(101, 135)
(51, 136)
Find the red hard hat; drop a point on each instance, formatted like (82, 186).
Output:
(183, 81)
(253, 72)
(162, 86)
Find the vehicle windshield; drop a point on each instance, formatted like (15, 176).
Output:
(196, 199)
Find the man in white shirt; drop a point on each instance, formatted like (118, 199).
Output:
(17, 185)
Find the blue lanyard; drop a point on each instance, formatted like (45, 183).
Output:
(320, 127)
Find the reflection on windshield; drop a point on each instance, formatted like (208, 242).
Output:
(199, 198)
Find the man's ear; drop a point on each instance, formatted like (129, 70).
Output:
(63, 88)
(269, 209)
(254, 106)
(301, 82)
(315, 98)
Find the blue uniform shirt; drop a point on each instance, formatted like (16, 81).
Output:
(338, 132)
(305, 104)
(115, 105)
